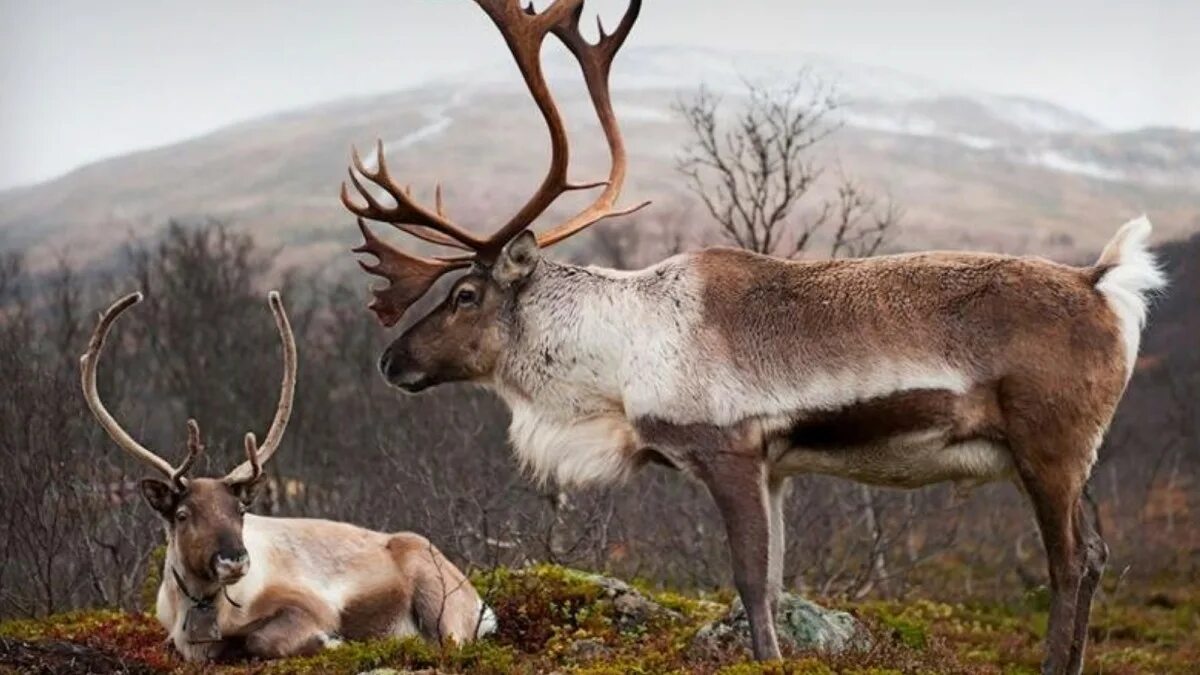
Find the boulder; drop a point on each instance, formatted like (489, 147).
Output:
(799, 623)
(631, 609)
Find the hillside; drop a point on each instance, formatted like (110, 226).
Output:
(971, 169)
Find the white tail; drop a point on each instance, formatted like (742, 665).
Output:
(1133, 275)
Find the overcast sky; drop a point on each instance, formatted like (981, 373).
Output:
(81, 80)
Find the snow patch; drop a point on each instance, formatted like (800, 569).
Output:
(1057, 161)
(916, 126)
(1038, 116)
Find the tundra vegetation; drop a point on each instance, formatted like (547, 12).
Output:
(946, 581)
(954, 581)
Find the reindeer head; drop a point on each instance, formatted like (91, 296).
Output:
(203, 515)
(464, 336)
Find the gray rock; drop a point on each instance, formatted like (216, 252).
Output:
(632, 609)
(799, 623)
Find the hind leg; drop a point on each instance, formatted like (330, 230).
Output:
(1095, 557)
(445, 606)
(1055, 515)
(1052, 465)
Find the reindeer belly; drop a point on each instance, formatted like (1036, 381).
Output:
(905, 439)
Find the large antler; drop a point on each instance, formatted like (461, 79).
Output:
(524, 30)
(409, 276)
(407, 214)
(88, 363)
(252, 467)
(596, 62)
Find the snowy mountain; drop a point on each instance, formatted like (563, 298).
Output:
(970, 168)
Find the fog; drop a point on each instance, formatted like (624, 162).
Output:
(85, 80)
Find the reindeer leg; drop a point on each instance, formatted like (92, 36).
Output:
(1095, 557)
(290, 632)
(778, 489)
(733, 468)
(737, 484)
(1055, 501)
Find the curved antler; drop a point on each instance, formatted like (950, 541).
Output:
(252, 467)
(252, 457)
(524, 31)
(88, 363)
(194, 448)
(596, 62)
(409, 276)
(407, 215)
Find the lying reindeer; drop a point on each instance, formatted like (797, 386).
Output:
(312, 582)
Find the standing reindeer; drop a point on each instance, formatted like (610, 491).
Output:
(742, 370)
(274, 587)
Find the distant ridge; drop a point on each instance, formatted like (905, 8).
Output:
(971, 169)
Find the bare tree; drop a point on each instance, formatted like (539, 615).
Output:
(74, 534)
(753, 171)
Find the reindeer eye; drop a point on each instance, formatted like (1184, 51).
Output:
(466, 297)
(181, 515)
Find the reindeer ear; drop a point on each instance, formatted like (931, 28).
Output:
(518, 259)
(160, 495)
(246, 491)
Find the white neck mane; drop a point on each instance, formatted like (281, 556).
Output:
(581, 338)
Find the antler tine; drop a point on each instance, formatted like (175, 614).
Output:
(409, 276)
(88, 363)
(252, 457)
(524, 30)
(283, 411)
(596, 61)
(407, 215)
(194, 448)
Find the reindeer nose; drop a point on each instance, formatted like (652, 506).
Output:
(386, 363)
(231, 565)
(397, 368)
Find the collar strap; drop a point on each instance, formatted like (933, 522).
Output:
(207, 601)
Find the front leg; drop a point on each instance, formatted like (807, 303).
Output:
(738, 485)
(731, 464)
(290, 632)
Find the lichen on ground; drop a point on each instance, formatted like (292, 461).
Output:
(554, 619)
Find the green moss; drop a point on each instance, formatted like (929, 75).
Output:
(554, 619)
(908, 623)
(810, 666)
(693, 608)
(483, 656)
(1142, 659)
(154, 568)
(538, 604)
(355, 657)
